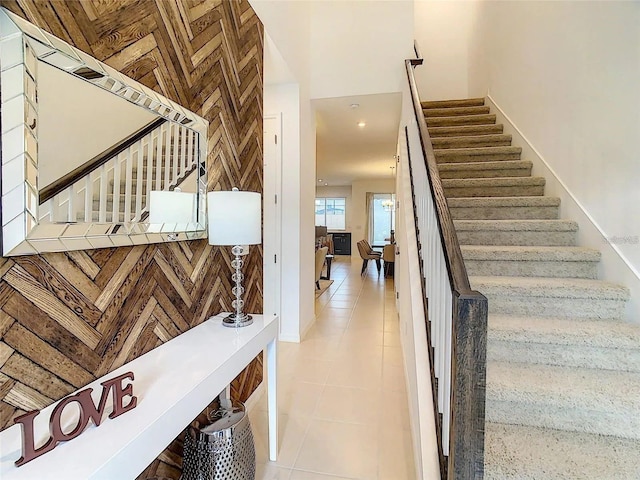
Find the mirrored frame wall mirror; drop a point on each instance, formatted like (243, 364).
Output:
(84, 147)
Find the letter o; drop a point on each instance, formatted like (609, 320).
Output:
(54, 422)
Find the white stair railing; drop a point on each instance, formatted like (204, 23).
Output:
(118, 189)
(446, 330)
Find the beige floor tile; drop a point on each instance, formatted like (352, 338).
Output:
(348, 404)
(272, 472)
(342, 449)
(291, 433)
(337, 312)
(397, 461)
(308, 370)
(296, 398)
(363, 373)
(391, 339)
(302, 475)
(393, 378)
(393, 356)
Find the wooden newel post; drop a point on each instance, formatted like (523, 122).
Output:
(469, 353)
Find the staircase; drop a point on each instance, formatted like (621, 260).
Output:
(563, 369)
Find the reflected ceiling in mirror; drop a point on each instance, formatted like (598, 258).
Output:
(72, 180)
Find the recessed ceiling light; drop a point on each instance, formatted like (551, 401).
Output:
(320, 180)
(326, 184)
(354, 105)
(361, 124)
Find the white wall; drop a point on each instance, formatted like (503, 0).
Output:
(443, 33)
(285, 99)
(78, 121)
(358, 48)
(359, 190)
(339, 192)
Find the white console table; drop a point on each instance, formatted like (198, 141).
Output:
(173, 383)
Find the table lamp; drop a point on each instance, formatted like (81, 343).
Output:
(234, 219)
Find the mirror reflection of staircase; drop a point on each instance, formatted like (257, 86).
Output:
(563, 368)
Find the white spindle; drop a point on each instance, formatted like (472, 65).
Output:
(139, 176)
(131, 153)
(158, 156)
(148, 186)
(166, 154)
(175, 158)
(190, 156)
(183, 151)
(117, 171)
(88, 198)
(102, 210)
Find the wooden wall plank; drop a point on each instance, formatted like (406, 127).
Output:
(67, 318)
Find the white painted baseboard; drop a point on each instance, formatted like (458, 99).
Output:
(613, 267)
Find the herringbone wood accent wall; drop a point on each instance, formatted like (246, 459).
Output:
(66, 319)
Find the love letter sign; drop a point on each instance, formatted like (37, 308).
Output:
(88, 410)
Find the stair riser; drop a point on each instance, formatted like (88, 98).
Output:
(575, 356)
(517, 191)
(504, 213)
(599, 308)
(461, 131)
(443, 157)
(516, 268)
(524, 238)
(455, 111)
(458, 121)
(471, 142)
(624, 424)
(479, 173)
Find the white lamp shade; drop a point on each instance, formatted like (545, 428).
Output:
(171, 207)
(235, 218)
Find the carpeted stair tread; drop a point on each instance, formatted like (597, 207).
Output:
(549, 287)
(465, 130)
(531, 261)
(477, 202)
(529, 253)
(461, 102)
(471, 141)
(538, 395)
(517, 225)
(504, 208)
(564, 331)
(488, 119)
(493, 187)
(492, 182)
(455, 111)
(515, 452)
(479, 154)
(504, 168)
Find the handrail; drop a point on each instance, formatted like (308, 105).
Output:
(416, 49)
(455, 264)
(469, 310)
(73, 176)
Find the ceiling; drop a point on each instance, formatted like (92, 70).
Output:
(346, 152)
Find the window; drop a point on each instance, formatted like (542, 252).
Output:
(384, 218)
(330, 213)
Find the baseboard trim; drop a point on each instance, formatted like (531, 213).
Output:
(614, 266)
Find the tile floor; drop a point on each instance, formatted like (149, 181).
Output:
(343, 404)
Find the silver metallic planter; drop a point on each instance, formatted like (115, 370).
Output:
(223, 450)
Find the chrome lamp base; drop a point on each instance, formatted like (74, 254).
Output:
(239, 318)
(232, 321)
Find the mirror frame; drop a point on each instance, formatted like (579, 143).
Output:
(22, 45)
